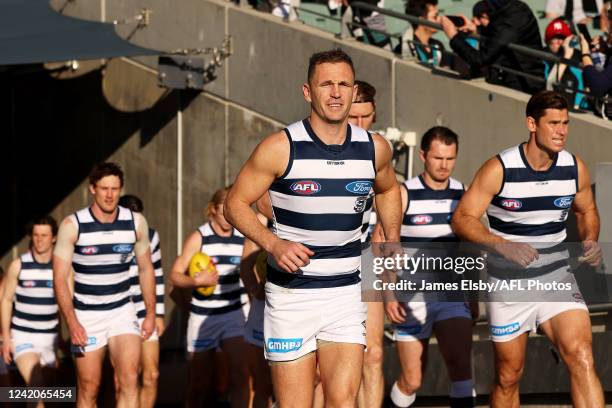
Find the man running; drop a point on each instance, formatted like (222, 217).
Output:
(100, 242)
(29, 310)
(428, 202)
(527, 191)
(319, 172)
(149, 364)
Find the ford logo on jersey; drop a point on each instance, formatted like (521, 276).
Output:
(306, 187)
(422, 219)
(275, 345)
(504, 330)
(235, 260)
(123, 248)
(511, 204)
(89, 250)
(564, 202)
(359, 187)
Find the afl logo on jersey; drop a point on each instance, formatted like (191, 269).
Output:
(359, 187)
(306, 187)
(422, 219)
(564, 202)
(89, 250)
(29, 284)
(510, 204)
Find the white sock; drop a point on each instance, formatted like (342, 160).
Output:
(461, 389)
(399, 398)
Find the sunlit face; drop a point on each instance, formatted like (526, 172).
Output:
(42, 238)
(106, 193)
(330, 91)
(433, 15)
(439, 160)
(555, 44)
(218, 217)
(550, 130)
(362, 114)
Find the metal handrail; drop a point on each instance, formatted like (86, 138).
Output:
(316, 13)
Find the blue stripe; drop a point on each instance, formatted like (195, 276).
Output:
(523, 174)
(215, 310)
(305, 150)
(35, 300)
(35, 317)
(36, 265)
(233, 295)
(151, 234)
(135, 280)
(330, 252)
(100, 290)
(138, 298)
(33, 330)
(531, 203)
(318, 222)
(102, 306)
(227, 259)
(101, 269)
(105, 249)
(528, 230)
(428, 194)
(228, 279)
(436, 219)
(328, 187)
(525, 273)
(123, 225)
(35, 283)
(157, 264)
(294, 281)
(215, 239)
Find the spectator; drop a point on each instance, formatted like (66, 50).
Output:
(563, 78)
(418, 40)
(577, 11)
(599, 82)
(511, 21)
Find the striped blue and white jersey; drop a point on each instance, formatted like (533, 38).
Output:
(101, 261)
(135, 292)
(319, 202)
(533, 206)
(225, 253)
(428, 213)
(369, 219)
(35, 308)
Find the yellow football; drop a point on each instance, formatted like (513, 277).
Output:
(261, 266)
(202, 263)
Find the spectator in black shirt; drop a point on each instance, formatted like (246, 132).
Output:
(511, 21)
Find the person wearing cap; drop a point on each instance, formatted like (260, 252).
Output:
(511, 21)
(566, 78)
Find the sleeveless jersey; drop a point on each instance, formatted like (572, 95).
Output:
(533, 206)
(35, 308)
(225, 253)
(429, 212)
(101, 261)
(135, 291)
(319, 201)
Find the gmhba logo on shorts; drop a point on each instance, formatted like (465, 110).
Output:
(306, 187)
(276, 345)
(504, 330)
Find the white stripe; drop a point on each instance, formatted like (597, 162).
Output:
(528, 217)
(94, 260)
(432, 206)
(214, 303)
(321, 267)
(106, 237)
(35, 309)
(314, 205)
(529, 189)
(317, 238)
(35, 292)
(98, 300)
(309, 169)
(91, 279)
(36, 274)
(222, 249)
(544, 239)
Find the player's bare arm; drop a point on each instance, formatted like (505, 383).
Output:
(466, 220)
(178, 275)
(587, 216)
(267, 162)
(62, 266)
(6, 308)
(388, 200)
(142, 251)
